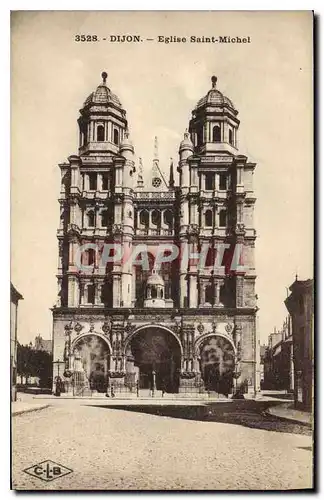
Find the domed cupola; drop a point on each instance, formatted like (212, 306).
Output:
(214, 123)
(103, 95)
(102, 122)
(215, 98)
(154, 291)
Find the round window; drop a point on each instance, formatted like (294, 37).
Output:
(156, 182)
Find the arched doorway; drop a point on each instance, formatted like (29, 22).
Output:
(90, 363)
(154, 349)
(217, 364)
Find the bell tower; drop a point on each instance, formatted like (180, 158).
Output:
(214, 123)
(102, 122)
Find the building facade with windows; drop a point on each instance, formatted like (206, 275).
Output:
(300, 304)
(124, 320)
(278, 359)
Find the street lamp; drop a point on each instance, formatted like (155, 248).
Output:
(57, 379)
(58, 362)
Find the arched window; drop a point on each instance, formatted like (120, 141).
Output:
(141, 275)
(168, 218)
(222, 218)
(91, 218)
(156, 218)
(210, 257)
(216, 133)
(209, 181)
(144, 218)
(104, 218)
(100, 133)
(153, 293)
(91, 256)
(92, 181)
(209, 294)
(222, 182)
(230, 136)
(116, 137)
(106, 295)
(91, 294)
(208, 218)
(105, 181)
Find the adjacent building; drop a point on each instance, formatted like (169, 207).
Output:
(123, 320)
(43, 344)
(278, 360)
(300, 304)
(15, 297)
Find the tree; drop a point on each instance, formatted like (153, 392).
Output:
(34, 363)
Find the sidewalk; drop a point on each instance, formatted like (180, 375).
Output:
(288, 412)
(19, 407)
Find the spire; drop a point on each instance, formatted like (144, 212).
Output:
(140, 182)
(155, 170)
(158, 180)
(156, 148)
(171, 177)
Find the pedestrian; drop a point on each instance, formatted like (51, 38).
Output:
(137, 388)
(112, 392)
(58, 386)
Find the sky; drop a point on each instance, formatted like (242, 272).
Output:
(269, 80)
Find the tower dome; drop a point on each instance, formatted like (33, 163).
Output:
(155, 279)
(215, 98)
(214, 123)
(103, 95)
(154, 291)
(102, 121)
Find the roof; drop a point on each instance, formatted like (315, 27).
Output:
(214, 98)
(14, 294)
(102, 95)
(155, 279)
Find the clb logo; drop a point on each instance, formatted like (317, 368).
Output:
(48, 470)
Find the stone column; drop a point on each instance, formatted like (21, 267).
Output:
(71, 253)
(217, 183)
(116, 291)
(97, 216)
(193, 292)
(86, 182)
(82, 290)
(217, 285)
(201, 293)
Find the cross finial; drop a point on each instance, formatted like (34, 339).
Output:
(104, 77)
(214, 81)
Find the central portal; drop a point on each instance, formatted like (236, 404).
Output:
(155, 351)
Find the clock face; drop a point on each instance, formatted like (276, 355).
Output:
(156, 182)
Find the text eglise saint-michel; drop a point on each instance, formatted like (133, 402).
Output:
(163, 39)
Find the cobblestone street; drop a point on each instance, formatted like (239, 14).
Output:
(216, 446)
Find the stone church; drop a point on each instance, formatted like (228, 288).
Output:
(124, 322)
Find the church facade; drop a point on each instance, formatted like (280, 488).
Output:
(156, 279)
